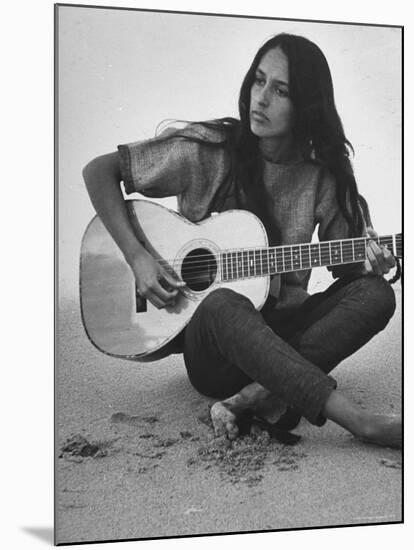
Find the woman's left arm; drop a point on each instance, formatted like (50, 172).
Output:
(332, 226)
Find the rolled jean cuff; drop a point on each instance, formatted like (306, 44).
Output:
(314, 406)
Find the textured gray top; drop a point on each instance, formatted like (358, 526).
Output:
(300, 195)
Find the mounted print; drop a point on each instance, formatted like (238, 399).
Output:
(229, 268)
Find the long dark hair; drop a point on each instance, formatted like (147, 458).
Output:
(317, 128)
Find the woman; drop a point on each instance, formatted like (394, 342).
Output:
(287, 160)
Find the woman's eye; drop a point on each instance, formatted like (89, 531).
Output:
(281, 92)
(259, 80)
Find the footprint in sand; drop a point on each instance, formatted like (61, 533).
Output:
(77, 447)
(123, 418)
(396, 464)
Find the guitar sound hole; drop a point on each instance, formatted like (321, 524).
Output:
(199, 269)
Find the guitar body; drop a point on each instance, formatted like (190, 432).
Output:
(122, 324)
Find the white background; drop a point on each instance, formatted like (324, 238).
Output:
(122, 72)
(27, 269)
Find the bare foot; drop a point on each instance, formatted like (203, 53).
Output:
(382, 429)
(224, 421)
(379, 429)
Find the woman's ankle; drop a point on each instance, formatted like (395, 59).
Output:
(382, 429)
(236, 403)
(379, 429)
(340, 410)
(247, 398)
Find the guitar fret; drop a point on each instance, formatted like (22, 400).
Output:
(295, 257)
(273, 260)
(360, 249)
(257, 262)
(324, 253)
(251, 263)
(280, 265)
(335, 250)
(233, 266)
(305, 256)
(242, 275)
(287, 258)
(347, 251)
(263, 262)
(388, 242)
(245, 265)
(398, 245)
(315, 255)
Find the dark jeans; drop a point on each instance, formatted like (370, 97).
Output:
(228, 343)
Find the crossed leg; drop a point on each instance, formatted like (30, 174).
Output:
(233, 354)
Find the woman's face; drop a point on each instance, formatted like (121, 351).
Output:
(271, 110)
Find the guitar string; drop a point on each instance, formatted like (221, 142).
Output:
(327, 249)
(242, 272)
(291, 267)
(201, 276)
(239, 270)
(198, 276)
(263, 255)
(324, 258)
(265, 261)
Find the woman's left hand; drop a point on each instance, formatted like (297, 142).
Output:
(379, 258)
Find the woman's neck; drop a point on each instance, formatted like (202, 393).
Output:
(279, 150)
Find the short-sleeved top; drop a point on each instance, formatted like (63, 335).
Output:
(299, 196)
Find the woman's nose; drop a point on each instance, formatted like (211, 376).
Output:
(263, 98)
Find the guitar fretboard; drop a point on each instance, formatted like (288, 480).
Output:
(256, 262)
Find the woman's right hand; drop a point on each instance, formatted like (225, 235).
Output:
(102, 177)
(153, 281)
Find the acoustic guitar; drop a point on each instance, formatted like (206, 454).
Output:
(227, 250)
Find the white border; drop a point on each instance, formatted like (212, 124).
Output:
(27, 279)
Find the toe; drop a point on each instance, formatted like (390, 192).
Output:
(219, 424)
(219, 429)
(232, 430)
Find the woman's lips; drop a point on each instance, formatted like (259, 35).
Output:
(260, 117)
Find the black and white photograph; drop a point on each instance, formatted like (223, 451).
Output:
(229, 274)
(207, 337)
(229, 267)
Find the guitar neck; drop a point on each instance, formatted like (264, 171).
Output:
(256, 262)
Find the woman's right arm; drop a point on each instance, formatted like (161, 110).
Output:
(102, 177)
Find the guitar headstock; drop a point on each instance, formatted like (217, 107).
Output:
(398, 245)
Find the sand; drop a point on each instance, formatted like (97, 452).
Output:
(136, 456)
